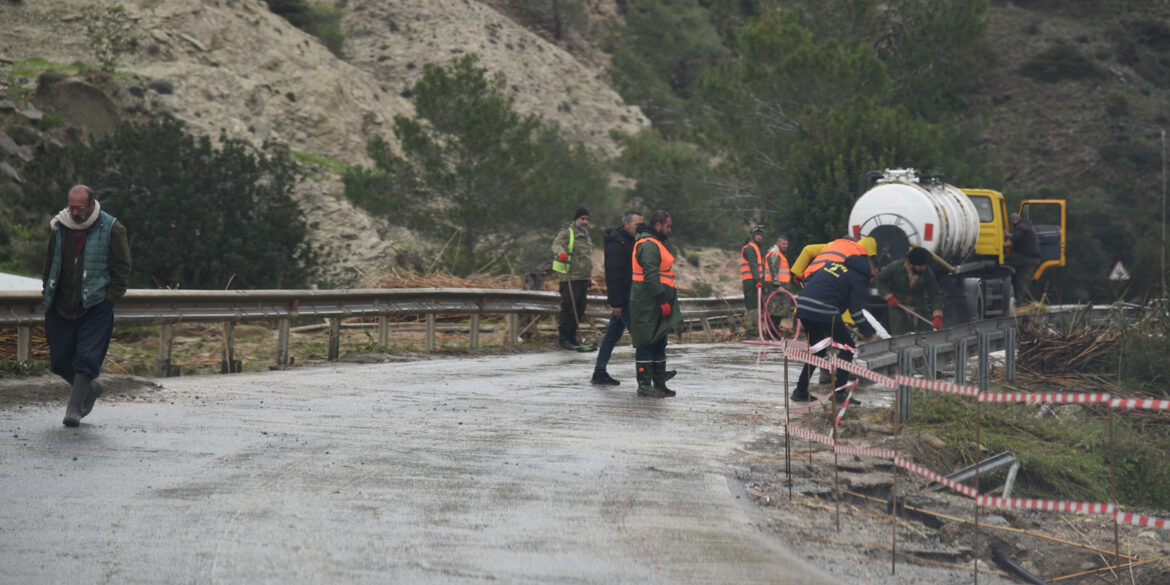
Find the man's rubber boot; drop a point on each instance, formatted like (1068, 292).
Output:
(95, 391)
(566, 341)
(602, 378)
(798, 396)
(73, 415)
(658, 377)
(668, 375)
(840, 397)
(645, 380)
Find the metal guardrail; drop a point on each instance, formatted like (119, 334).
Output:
(167, 308)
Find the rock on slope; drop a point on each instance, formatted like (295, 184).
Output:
(233, 66)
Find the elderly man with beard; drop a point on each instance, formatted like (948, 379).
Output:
(86, 271)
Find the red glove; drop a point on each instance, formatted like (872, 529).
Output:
(563, 256)
(893, 302)
(665, 307)
(590, 285)
(759, 284)
(937, 322)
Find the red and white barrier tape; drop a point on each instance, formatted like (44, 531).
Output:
(819, 438)
(807, 357)
(970, 492)
(937, 385)
(808, 407)
(1057, 397)
(845, 403)
(826, 342)
(862, 372)
(1045, 505)
(1140, 520)
(878, 453)
(1144, 403)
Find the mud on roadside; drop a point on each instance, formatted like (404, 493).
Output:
(935, 536)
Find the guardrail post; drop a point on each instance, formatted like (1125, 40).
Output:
(984, 360)
(1009, 352)
(383, 330)
(961, 360)
(229, 364)
(932, 360)
(473, 338)
(512, 330)
(905, 367)
(706, 321)
(282, 338)
(166, 336)
(334, 338)
(23, 343)
(430, 332)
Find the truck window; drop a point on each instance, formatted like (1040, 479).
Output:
(983, 207)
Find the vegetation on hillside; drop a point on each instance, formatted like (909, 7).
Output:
(198, 216)
(472, 166)
(321, 22)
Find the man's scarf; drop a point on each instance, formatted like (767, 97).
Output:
(65, 219)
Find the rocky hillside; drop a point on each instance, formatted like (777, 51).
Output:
(232, 66)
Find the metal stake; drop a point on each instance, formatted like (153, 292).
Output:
(978, 441)
(1113, 493)
(787, 435)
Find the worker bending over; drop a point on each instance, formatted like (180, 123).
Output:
(908, 286)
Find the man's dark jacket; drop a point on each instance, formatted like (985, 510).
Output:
(1024, 239)
(835, 288)
(619, 250)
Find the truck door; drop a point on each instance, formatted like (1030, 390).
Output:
(1047, 216)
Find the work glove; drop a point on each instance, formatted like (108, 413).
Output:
(759, 284)
(563, 256)
(937, 322)
(590, 285)
(893, 301)
(666, 311)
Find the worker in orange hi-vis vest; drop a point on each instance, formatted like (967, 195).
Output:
(752, 274)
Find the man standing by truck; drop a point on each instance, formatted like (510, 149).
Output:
(573, 260)
(751, 273)
(909, 284)
(1024, 257)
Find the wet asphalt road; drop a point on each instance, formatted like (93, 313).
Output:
(507, 469)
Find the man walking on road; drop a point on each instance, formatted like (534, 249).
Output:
(908, 284)
(86, 271)
(827, 293)
(619, 249)
(573, 259)
(751, 274)
(654, 304)
(1024, 256)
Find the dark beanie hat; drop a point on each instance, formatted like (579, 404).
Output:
(918, 256)
(580, 211)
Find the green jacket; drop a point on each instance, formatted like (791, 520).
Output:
(924, 297)
(646, 322)
(580, 258)
(74, 283)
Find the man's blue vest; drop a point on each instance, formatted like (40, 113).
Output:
(95, 266)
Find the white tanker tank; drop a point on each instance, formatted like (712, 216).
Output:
(904, 208)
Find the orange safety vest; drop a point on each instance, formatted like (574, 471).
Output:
(784, 275)
(665, 269)
(836, 251)
(745, 269)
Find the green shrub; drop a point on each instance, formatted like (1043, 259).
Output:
(1059, 63)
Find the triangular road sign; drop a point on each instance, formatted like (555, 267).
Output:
(1119, 272)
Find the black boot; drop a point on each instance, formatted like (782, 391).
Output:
(801, 393)
(95, 391)
(567, 340)
(658, 371)
(668, 375)
(73, 415)
(602, 378)
(840, 396)
(645, 380)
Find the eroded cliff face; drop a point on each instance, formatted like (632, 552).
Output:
(232, 66)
